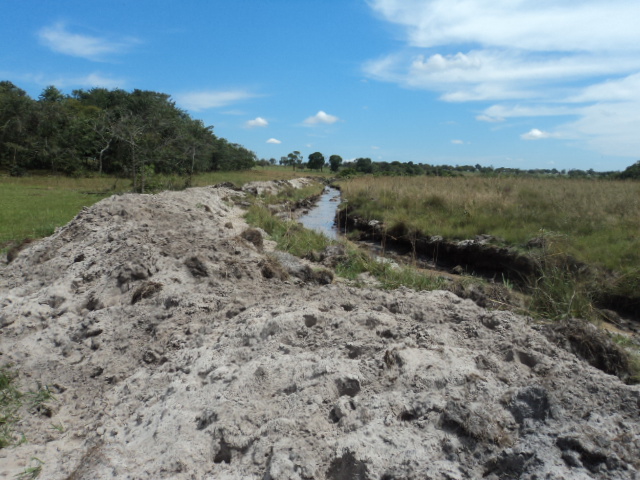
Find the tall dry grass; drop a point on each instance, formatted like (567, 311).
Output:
(598, 221)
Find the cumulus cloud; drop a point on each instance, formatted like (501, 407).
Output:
(274, 141)
(58, 38)
(530, 59)
(256, 122)
(457, 142)
(205, 99)
(321, 118)
(535, 134)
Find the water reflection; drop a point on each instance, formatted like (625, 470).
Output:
(321, 217)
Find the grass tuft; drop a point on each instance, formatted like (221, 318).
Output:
(289, 235)
(31, 472)
(10, 403)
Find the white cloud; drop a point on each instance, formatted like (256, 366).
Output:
(274, 141)
(59, 39)
(495, 74)
(256, 122)
(608, 127)
(457, 142)
(550, 59)
(501, 112)
(489, 119)
(535, 134)
(321, 118)
(560, 25)
(205, 99)
(618, 90)
(94, 79)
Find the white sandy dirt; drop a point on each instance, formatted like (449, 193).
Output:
(171, 355)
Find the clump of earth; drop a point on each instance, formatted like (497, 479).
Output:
(177, 344)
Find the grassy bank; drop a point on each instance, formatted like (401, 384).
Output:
(293, 238)
(594, 222)
(597, 222)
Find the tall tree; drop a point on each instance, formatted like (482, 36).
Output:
(295, 159)
(16, 120)
(334, 162)
(316, 161)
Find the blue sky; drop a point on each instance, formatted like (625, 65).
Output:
(508, 83)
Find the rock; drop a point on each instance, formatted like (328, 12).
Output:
(348, 386)
(197, 267)
(146, 290)
(347, 467)
(530, 402)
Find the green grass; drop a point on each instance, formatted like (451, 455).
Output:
(390, 276)
(292, 195)
(289, 235)
(34, 206)
(31, 472)
(595, 222)
(297, 240)
(239, 178)
(10, 403)
(14, 402)
(600, 219)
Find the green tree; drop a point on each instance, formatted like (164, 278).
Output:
(231, 156)
(364, 165)
(334, 162)
(631, 172)
(295, 159)
(316, 161)
(16, 127)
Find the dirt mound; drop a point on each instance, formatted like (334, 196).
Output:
(172, 354)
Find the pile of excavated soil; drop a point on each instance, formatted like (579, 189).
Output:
(173, 351)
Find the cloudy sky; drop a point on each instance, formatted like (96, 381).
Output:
(510, 83)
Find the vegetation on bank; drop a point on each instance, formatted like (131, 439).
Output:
(556, 294)
(558, 221)
(34, 206)
(291, 237)
(592, 221)
(15, 403)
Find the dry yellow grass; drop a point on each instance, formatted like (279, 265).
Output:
(596, 221)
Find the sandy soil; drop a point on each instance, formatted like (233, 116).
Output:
(174, 351)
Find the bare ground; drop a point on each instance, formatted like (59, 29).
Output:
(174, 351)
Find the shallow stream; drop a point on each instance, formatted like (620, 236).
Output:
(322, 216)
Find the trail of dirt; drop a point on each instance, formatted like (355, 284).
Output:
(174, 351)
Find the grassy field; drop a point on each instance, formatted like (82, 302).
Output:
(595, 222)
(33, 206)
(598, 222)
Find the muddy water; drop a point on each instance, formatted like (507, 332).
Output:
(321, 216)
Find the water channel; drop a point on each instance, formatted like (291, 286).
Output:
(321, 217)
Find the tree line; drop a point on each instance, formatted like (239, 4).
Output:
(364, 165)
(117, 132)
